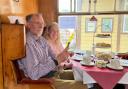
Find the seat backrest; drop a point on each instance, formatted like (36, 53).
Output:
(123, 55)
(21, 78)
(19, 75)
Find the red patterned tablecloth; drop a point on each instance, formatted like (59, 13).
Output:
(105, 77)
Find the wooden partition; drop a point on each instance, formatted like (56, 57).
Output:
(49, 10)
(13, 47)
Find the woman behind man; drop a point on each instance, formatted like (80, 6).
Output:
(52, 35)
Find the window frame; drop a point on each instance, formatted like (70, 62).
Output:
(74, 12)
(124, 30)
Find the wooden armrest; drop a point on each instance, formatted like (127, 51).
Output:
(42, 80)
(22, 79)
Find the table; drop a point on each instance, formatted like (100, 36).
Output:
(105, 77)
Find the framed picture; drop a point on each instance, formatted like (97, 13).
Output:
(90, 26)
(107, 24)
(125, 24)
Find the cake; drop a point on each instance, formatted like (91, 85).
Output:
(103, 56)
(103, 45)
(102, 35)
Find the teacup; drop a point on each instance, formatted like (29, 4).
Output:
(88, 53)
(115, 63)
(87, 60)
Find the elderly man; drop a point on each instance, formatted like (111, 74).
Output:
(40, 60)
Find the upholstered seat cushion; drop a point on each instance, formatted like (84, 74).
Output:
(123, 55)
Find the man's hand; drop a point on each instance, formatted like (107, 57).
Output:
(68, 65)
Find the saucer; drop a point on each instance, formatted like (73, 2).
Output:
(77, 57)
(124, 62)
(91, 63)
(111, 67)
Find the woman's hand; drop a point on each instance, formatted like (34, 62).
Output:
(71, 54)
(63, 56)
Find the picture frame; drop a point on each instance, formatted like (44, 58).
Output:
(125, 24)
(107, 25)
(90, 26)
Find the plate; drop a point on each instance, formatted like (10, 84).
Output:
(111, 67)
(77, 57)
(83, 63)
(78, 51)
(124, 62)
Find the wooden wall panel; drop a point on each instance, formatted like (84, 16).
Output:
(49, 10)
(5, 6)
(1, 68)
(30, 6)
(21, 8)
(47, 7)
